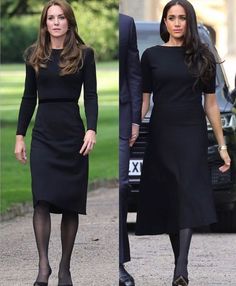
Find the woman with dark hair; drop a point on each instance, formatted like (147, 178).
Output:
(175, 191)
(57, 66)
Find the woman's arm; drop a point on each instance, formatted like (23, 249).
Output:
(90, 102)
(213, 114)
(26, 111)
(146, 104)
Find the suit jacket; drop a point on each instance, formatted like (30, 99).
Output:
(130, 80)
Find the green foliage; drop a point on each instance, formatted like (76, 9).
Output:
(97, 22)
(10, 8)
(17, 34)
(99, 30)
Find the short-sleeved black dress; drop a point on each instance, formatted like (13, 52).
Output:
(59, 173)
(175, 191)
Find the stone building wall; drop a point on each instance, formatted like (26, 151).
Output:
(220, 15)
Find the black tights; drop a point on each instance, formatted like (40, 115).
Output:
(180, 244)
(42, 230)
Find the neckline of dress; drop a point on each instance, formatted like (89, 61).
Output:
(56, 49)
(170, 47)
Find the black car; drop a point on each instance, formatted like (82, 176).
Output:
(223, 184)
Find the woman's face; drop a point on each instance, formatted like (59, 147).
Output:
(57, 24)
(176, 22)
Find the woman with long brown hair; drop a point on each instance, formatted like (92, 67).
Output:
(57, 66)
(175, 191)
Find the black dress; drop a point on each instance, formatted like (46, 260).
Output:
(59, 173)
(175, 191)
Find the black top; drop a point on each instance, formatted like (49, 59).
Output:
(49, 85)
(167, 76)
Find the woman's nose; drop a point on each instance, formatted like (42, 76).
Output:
(177, 22)
(56, 22)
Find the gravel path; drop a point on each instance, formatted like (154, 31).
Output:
(95, 256)
(212, 260)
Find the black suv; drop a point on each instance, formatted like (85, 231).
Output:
(223, 184)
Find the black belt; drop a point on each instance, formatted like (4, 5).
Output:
(46, 100)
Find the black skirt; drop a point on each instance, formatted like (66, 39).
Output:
(175, 191)
(59, 173)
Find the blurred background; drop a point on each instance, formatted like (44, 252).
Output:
(218, 15)
(98, 26)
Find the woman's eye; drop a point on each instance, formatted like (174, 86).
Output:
(183, 18)
(49, 18)
(61, 17)
(171, 18)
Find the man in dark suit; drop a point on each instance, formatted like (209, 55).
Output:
(130, 97)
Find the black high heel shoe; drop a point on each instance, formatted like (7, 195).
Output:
(36, 283)
(180, 281)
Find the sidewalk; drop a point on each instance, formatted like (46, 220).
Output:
(95, 256)
(212, 259)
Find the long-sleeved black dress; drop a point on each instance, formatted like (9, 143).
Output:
(175, 191)
(59, 172)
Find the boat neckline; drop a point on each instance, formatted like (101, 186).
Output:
(163, 46)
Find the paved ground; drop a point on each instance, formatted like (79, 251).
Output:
(95, 257)
(212, 260)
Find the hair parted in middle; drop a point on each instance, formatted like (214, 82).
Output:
(71, 58)
(198, 58)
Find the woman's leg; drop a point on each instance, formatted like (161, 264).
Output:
(174, 239)
(42, 230)
(69, 227)
(185, 236)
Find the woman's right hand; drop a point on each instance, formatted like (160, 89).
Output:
(20, 149)
(225, 157)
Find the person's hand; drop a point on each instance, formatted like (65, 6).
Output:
(225, 157)
(134, 134)
(89, 141)
(20, 149)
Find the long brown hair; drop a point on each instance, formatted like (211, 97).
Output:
(199, 60)
(71, 58)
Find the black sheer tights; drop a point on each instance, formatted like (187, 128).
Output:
(42, 230)
(69, 227)
(180, 243)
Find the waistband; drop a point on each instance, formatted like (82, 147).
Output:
(47, 100)
(178, 104)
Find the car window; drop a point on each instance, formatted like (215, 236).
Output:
(147, 39)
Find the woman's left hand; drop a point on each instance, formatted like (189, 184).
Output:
(225, 157)
(89, 141)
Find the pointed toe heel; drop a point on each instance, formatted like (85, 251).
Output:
(180, 281)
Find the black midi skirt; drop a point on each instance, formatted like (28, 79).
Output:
(175, 190)
(59, 172)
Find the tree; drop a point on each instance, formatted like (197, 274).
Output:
(10, 8)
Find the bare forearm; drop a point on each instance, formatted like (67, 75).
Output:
(213, 114)
(145, 104)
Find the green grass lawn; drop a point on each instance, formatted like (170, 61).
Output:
(15, 178)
